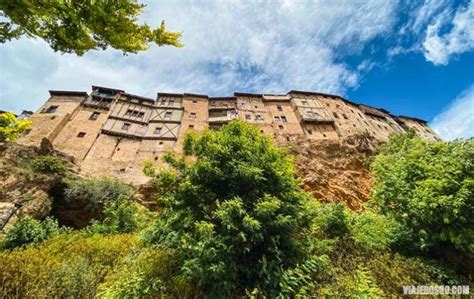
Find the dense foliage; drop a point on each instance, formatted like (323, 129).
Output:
(428, 187)
(80, 26)
(49, 165)
(28, 231)
(238, 201)
(10, 127)
(233, 222)
(94, 195)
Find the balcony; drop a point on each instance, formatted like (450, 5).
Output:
(316, 115)
(101, 103)
(222, 119)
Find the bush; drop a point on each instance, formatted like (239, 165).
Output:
(49, 165)
(11, 128)
(28, 231)
(95, 194)
(236, 216)
(428, 188)
(66, 266)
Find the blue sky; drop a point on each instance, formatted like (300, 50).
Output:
(411, 57)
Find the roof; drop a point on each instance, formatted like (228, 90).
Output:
(373, 111)
(323, 95)
(413, 118)
(276, 97)
(166, 94)
(107, 88)
(223, 98)
(196, 95)
(245, 94)
(133, 96)
(68, 93)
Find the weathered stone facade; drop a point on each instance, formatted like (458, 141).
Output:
(110, 132)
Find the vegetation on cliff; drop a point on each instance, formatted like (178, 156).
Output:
(234, 221)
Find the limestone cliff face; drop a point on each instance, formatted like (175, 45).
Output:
(336, 170)
(331, 170)
(21, 185)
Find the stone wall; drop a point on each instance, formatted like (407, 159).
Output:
(113, 133)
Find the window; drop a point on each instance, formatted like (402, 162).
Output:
(163, 102)
(195, 102)
(51, 109)
(94, 115)
(324, 135)
(305, 103)
(157, 130)
(335, 115)
(171, 103)
(258, 117)
(310, 132)
(352, 111)
(345, 116)
(327, 104)
(134, 113)
(192, 115)
(168, 115)
(126, 126)
(81, 134)
(337, 106)
(248, 116)
(191, 126)
(279, 108)
(288, 138)
(280, 127)
(283, 119)
(160, 143)
(277, 118)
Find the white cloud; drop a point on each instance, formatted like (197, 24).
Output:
(438, 48)
(260, 46)
(457, 120)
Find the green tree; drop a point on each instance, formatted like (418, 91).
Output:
(233, 211)
(79, 26)
(11, 128)
(428, 188)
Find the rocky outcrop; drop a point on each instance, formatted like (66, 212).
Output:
(21, 185)
(336, 170)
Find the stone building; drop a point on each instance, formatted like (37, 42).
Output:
(111, 132)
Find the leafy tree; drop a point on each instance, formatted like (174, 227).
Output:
(428, 188)
(49, 165)
(11, 128)
(80, 26)
(236, 216)
(28, 230)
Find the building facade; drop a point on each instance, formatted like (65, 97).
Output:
(112, 133)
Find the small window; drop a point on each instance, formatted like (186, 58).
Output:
(261, 131)
(191, 126)
(256, 107)
(283, 119)
(277, 118)
(53, 117)
(248, 116)
(192, 115)
(122, 169)
(335, 115)
(279, 108)
(156, 158)
(94, 115)
(258, 117)
(163, 102)
(324, 135)
(305, 103)
(81, 134)
(288, 138)
(310, 132)
(195, 102)
(337, 106)
(171, 102)
(352, 111)
(160, 143)
(345, 116)
(168, 115)
(327, 104)
(126, 126)
(281, 127)
(157, 130)
(51, 109)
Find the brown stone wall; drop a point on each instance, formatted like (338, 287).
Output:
(252, 110)
(80, 132)
(195, 115)
(48, 125)
(420, 128)
(286, 126)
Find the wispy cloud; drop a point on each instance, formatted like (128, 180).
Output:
(265, 46)
(439, 47)
(457, 120)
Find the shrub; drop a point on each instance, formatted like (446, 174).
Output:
(49, 165)
(65, 266)
(236, 216)
(95, 194)
(428, 188)
(28, 231)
